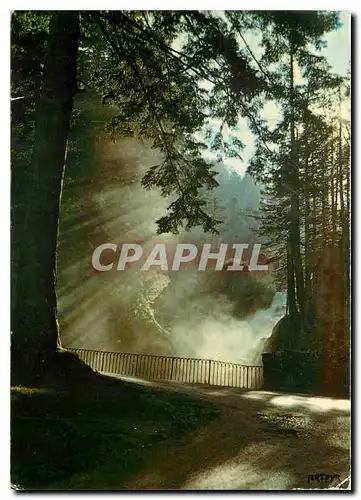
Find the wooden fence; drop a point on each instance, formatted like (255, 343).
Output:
(186, 370)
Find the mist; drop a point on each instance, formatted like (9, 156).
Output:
(213, 315)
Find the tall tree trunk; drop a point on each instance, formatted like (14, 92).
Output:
(34, 320)
(307, 215)
(291, 292)
(315, 241)
(325, 194)
(295, 242)
(334, 196)
(343, 215)
(343, 331)
(346, 239)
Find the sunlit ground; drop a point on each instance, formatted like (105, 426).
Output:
(314, 404)
(263, 440)
(238, 474)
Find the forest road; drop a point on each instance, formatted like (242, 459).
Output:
(260, 441)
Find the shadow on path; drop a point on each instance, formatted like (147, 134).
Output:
(261, 441)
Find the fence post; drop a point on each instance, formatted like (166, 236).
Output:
(171, 369)
(209, 372)
(102, 362)
(136, 366)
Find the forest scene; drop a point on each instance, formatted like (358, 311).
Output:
(180, 250)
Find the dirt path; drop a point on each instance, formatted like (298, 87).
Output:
(260, 441)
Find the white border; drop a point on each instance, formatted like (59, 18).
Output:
(5, 9)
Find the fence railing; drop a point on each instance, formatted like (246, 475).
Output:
(186, 370)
